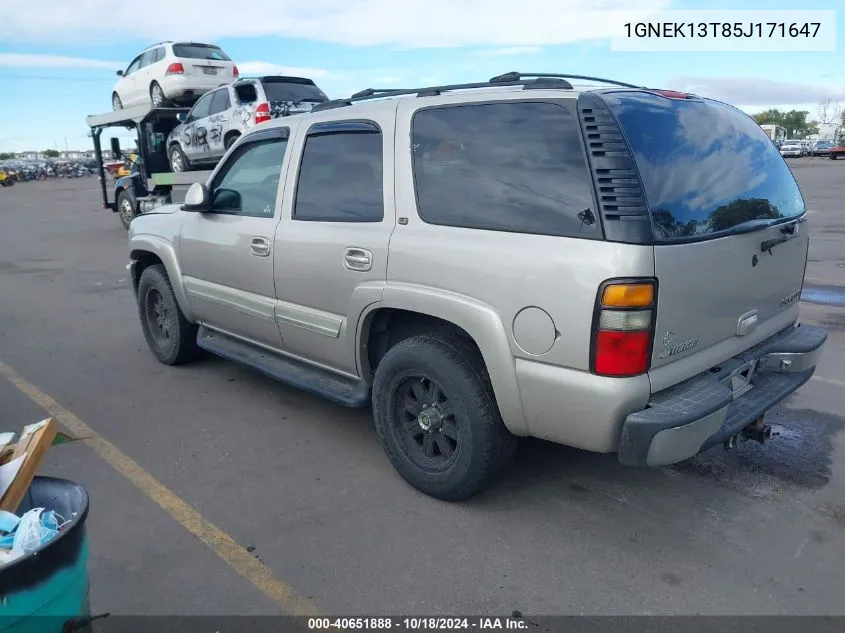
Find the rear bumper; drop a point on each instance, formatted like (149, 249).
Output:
(692, 416)
(190, 86)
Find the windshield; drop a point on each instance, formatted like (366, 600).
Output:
(706, 166)
(289, 91)
(824, 144)
(200, 51)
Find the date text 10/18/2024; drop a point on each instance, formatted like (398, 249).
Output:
(386, 623)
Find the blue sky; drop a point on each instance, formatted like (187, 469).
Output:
(58, 58)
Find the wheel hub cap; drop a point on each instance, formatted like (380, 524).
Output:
(430, 419)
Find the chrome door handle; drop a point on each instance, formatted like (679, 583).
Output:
(358, 259)
(259, 246)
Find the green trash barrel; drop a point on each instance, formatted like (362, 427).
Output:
(46, 591)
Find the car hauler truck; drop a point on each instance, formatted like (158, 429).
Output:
(150, 182)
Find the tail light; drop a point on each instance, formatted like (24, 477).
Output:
(175, 69)
(262, 112)
(671, 94)
(235, 71)
(623, 329)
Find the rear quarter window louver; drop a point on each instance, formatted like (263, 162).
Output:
(620, 194)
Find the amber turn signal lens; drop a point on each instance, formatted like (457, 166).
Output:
(628, 295)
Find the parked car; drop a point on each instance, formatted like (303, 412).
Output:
(221, 116)
(837, 151)
(172, 73)
(822, 148)
(791, 149)
(455, 258)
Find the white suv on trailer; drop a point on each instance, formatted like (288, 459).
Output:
(172, 72)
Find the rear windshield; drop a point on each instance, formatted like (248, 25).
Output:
(707, 168)
(290, 91)
(200, 51)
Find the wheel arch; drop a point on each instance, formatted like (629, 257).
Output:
(150, 250)
(406, 311)
(231, 134)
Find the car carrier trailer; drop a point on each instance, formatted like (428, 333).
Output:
(150, 182)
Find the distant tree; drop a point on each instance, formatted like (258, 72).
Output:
(795, 121)
(51, 153)
(7, 155)
(829, 111)
(768, 116)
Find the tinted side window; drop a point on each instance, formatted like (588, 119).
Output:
(246, 93)
(340, 178)
(503, 167)
(159, 54)
(201, 108)
(220, 101)
(247, 183)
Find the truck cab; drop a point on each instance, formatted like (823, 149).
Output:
(148, 183)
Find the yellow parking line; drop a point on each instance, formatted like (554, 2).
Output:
(236, 556)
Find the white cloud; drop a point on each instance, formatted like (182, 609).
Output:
(27, 60)
(268, 68)
(757, 91)
(513, 51)
(409, 24)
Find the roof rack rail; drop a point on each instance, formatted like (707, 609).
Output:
(515, 76)
(430, 91)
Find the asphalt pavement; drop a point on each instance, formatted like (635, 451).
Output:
(302, 487)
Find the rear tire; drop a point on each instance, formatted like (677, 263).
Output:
(157, 98)
(436, 415)
(169, 335)
(127, 207)
(178, 161)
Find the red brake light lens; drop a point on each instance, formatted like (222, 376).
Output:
(236, 72)
(262, 112)
(621, 353)
(671, 94)
(175, 69)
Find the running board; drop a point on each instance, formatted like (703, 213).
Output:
(344, 391)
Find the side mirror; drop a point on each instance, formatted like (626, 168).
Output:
(115, 147)
(182, 117)
(197, 199)
(120, 73)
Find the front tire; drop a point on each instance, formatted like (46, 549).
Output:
(436, 415)
(169, 335)
(127, 207)
(157, 98)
